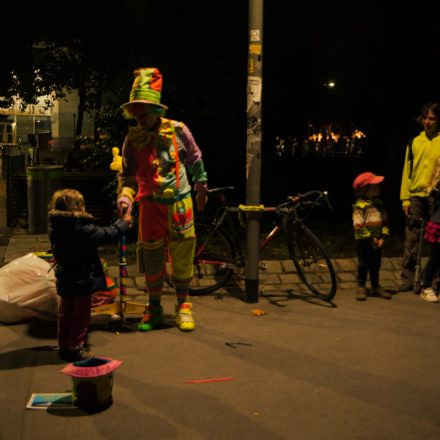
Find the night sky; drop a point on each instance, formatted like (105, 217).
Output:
(384, 61)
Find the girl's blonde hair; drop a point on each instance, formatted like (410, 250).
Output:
(435, 178)
(67, 200)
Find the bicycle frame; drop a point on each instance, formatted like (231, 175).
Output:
(219, 249)
(223, 214)
(231, 234)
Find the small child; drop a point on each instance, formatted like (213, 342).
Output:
(79, 272)
(370, 226)
(432, 235)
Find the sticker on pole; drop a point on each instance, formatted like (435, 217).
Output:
(255, 35)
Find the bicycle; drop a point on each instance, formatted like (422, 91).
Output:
(219, 254)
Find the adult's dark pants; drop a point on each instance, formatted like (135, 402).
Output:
(369, 261)
(420, 208)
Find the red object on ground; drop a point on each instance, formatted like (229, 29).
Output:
(93, 367)
(216, 379)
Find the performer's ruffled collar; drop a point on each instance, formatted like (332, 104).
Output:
(162, 136)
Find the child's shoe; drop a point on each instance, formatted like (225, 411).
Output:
(66, 355)
(184, 318)
(377, 291)
(83, 354)
(152, 318)
(74, 355)
(361, 293)
(429, 295)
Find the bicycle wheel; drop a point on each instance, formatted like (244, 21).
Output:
(311, 261)
(213, 260)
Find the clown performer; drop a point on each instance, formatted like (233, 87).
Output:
(154, 156)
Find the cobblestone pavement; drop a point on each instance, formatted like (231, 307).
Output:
(278, 276)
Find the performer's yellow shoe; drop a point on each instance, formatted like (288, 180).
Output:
(184, 317)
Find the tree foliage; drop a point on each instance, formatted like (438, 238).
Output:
(95, 51)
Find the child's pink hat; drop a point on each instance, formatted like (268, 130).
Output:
(365, 179)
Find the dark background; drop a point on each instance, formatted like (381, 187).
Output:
(384, 60)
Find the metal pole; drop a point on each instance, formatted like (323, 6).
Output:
(253, 146)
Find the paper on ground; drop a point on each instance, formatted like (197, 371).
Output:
(52, 400)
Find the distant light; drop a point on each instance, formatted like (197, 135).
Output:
(331, 84)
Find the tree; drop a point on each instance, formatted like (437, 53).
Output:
(81, 52)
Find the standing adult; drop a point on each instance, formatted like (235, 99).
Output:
(154, 157)
(421, 153)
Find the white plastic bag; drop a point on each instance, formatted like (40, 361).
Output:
(27, 290)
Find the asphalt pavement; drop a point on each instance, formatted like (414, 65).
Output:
(305, 369)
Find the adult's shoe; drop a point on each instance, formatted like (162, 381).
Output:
(185, 318)
(151, 319)
(429, 295)
(361, 294)
(380, 293)
(406, 287)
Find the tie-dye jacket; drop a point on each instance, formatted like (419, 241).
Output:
(369, 219)
(150, 167)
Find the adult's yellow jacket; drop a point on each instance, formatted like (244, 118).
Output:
(415, 182)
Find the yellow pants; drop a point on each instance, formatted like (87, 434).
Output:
(162, 225)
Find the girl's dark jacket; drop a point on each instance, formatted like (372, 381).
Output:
(75, 240)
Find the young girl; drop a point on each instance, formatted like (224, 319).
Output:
(370, 227)
(432, 235)
(78, 269)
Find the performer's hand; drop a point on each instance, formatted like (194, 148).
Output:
(123, 210)
(201, 199)
(128, 218)
(406, 210)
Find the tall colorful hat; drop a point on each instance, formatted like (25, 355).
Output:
(147, 88)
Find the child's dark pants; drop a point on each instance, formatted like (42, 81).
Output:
(73, 321)
(432, 265)
(369, 261)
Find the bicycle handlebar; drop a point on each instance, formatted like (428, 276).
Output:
(292, 201)
(301, 198)
(221, 189)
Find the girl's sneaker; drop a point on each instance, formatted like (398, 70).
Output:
(84, 353)
(75, 355)
(429, 295)
(152, 318)
(184, 318)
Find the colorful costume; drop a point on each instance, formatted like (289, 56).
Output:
(150, 165)
(154, 175)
